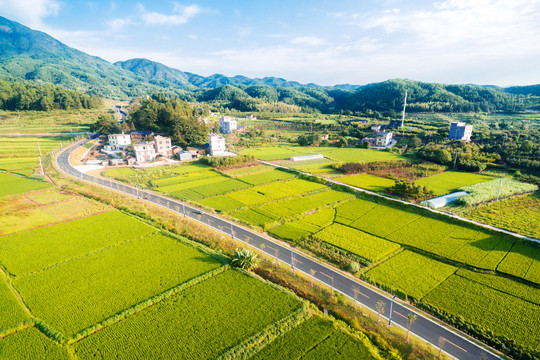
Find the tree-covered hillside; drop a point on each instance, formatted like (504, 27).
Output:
(18, 96)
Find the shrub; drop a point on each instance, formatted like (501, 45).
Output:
(244, 259)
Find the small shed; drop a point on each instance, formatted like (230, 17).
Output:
(441, 201)
(184, 155)
(307, 157)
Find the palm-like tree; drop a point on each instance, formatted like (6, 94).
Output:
(245, 259)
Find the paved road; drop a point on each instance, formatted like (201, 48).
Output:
(455, 344)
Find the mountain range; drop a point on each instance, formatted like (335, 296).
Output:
(30, 55)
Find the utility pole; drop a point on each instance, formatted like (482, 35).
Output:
(390, 316)
(232, 230)
(455, 160)
(404, 105)
(184, 208)
(41, 165)
(499, 191)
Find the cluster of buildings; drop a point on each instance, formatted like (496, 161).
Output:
(148, 147)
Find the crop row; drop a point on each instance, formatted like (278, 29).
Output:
(414, 274)
(37, 249)
(74, 295)
(317, 338)
(209, 318)
(249, 170)
(367, 181)
(504, 314)
(190, 176)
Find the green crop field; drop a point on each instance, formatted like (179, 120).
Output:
(504, 284)
(38, 249)
(201, 322)
(254, 216)
(317, 338)
(299, 229)
(504, 314)
(270, 153)
(523, 261)
(367, 181)
(520, 214)
(266, 177)
(358, 242)
(383, 220)
(75, 295)
(221, 187)
(450, 181)
(13, 184)
(294, 206)
(487, 191)
(31, 210)
(249, 170)
(414, 274)
(249, 197)
(11, 311)
(31, 344)
(53, 121)
(462, 243)
(352, 210)
(222, 203)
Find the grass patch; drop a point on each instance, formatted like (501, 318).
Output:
(367, 181)
(31, 344)
(12, 184)
(450, 181)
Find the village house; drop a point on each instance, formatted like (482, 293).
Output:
(195, 152)
(144, 152)
(325, 136)
(216, 145)
(384, 138)
(184, 155)
(118, 142)
(251, 117)
(163, 145)
(460, 131)
(376, 128)
(227, 125)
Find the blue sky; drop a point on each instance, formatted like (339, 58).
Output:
(325, 42)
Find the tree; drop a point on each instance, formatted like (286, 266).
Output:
(380, 305)
(411, 318)
(106, 124)
(244, 259)
(342, 142)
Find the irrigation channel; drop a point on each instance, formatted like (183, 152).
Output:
(454, 343)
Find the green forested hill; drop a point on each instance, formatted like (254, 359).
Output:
(34, 56)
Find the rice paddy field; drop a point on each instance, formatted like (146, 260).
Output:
(520, 214)
(285, 152)
(40, 122)
(450, 181)
(108, 285)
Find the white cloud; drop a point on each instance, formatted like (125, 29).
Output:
(117, 24)
(180, 15)
(30, 12)
(306, 40)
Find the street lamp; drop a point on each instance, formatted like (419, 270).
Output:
(390, 317)
(292, 256)
(137, 188)
(232, 230)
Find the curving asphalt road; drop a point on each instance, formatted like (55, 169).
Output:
(456, 344)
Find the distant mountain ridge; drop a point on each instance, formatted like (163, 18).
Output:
(30, 55)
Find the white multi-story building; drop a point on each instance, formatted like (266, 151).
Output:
(227, 125)
(163, 145)
(145, 151)
(216, 145)
(460, 131)
(119, 141)
(384, 138)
